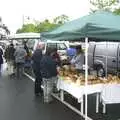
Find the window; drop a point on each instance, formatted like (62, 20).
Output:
(112, 50)
(109, 49)
(61, 46)
(119, 50)
(31, 43)
(101, 49)
(51, 45)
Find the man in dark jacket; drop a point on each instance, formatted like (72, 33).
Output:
(1, 60)
(37, 55)
(9, 52)
(49, 74)
(9, 56)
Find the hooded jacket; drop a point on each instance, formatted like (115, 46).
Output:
(48, 67)
(36, 58)
(9, 53)
(20, 54)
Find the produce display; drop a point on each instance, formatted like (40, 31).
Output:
(112, 79)
(70, 74)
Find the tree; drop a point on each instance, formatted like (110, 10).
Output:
(27, 28)
(43, 26)
(61, 19)
(117, 11)
(3, 26)
(46, 25)
(106, 5)
(38, 27)
(6, 29)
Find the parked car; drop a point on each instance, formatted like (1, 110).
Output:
(104, 56)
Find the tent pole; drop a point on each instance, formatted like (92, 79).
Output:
(106, 70)
(86, 75)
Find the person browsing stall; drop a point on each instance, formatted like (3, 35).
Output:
(49, 74)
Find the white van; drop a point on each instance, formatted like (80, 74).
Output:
(102, 55)
(61, 46)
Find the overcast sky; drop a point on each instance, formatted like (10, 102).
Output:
(12, 11)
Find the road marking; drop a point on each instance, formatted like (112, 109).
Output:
(33, 79)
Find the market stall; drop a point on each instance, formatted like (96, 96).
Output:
(106, 89)
(95, 27)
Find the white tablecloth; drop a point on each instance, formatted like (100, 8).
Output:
(79, 91)
(111, 94)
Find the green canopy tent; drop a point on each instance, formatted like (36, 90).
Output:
(100, 25)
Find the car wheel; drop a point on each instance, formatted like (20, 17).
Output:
(100, 72)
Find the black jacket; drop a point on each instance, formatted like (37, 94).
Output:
(9, 53)
(36, 58)
(48, 67)
(1, 58)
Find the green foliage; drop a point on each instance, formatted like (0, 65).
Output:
(61, 19)
(117, 11)
(44, 26)
(27, 28)
(103, 4)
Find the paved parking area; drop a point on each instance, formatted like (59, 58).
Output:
(17, 102)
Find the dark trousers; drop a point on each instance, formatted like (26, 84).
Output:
(38, 81)
(19, 70)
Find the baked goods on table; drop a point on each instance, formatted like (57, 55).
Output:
(69, 74)
(112, 79)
